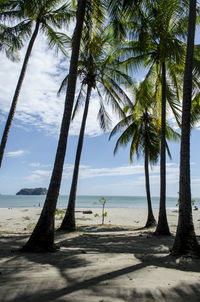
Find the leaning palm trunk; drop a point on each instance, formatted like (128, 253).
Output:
(162, 227)
(17, 92)
(150, 218)
(42, 238)
(68, 223)
(185, 241)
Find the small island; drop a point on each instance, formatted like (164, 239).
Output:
(36, 191)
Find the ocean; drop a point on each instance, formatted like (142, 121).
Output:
(16, 201)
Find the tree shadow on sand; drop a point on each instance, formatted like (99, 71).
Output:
(104, 228)
(84, 271)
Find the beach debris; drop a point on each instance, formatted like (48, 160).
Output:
(87, 212)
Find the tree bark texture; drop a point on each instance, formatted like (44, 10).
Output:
(185, 241)
(17, 92)
(42, 238)
(162, 227)
(150, 218)
(68, 223)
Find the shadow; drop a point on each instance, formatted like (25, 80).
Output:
(115, 243)
(104, 228)
(10, 243)
(180, 293)
(96, 266)
(99, 286)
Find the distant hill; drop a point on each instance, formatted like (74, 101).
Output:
(36, 191)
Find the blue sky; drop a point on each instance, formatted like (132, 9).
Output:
(32, 141)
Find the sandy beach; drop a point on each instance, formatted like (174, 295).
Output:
(118, 261)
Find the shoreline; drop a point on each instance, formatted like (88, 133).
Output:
(19, 220)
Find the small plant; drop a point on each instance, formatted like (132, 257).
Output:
(58, 212)
(102, 201)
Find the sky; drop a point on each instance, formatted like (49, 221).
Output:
(32, 141)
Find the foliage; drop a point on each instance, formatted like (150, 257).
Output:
(59, 212)
(141, 126)
(99, 69)
(104, 214)
(23, 14)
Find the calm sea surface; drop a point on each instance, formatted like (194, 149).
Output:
(15, 201)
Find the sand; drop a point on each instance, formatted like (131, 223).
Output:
(119, 261)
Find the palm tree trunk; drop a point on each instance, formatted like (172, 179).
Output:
(42, 238)
(150, 218)
(185, 241)
(17, 92)
(162, 227)
(68, 223)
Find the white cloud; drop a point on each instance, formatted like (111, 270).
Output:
(86, 172)
(38, 104)
(34, 165)
(120, 180)
(16, 153)
(38, 176)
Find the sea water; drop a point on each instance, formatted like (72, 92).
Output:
(86, 201)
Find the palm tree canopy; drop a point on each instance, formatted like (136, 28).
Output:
(24, 13)
(157, 38)
(141, 127)
(99, 68)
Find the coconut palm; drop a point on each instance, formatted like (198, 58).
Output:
(185, 241)
(42, 238)
(98, 71)
(158, 47)
(42, 16)
(141, 129)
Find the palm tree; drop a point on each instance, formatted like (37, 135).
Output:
(159, 48)
(10, 41)
(42, 238)
(97, 71)
(11, 37)
(44, 16)
(185, 241)
(141, 129)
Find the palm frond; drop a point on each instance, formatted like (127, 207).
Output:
(103, 117)
(63, 85)
(79, 101)
(127, 121)
(125, 137)
(61, 16)
(12, 38)
(56, 40)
